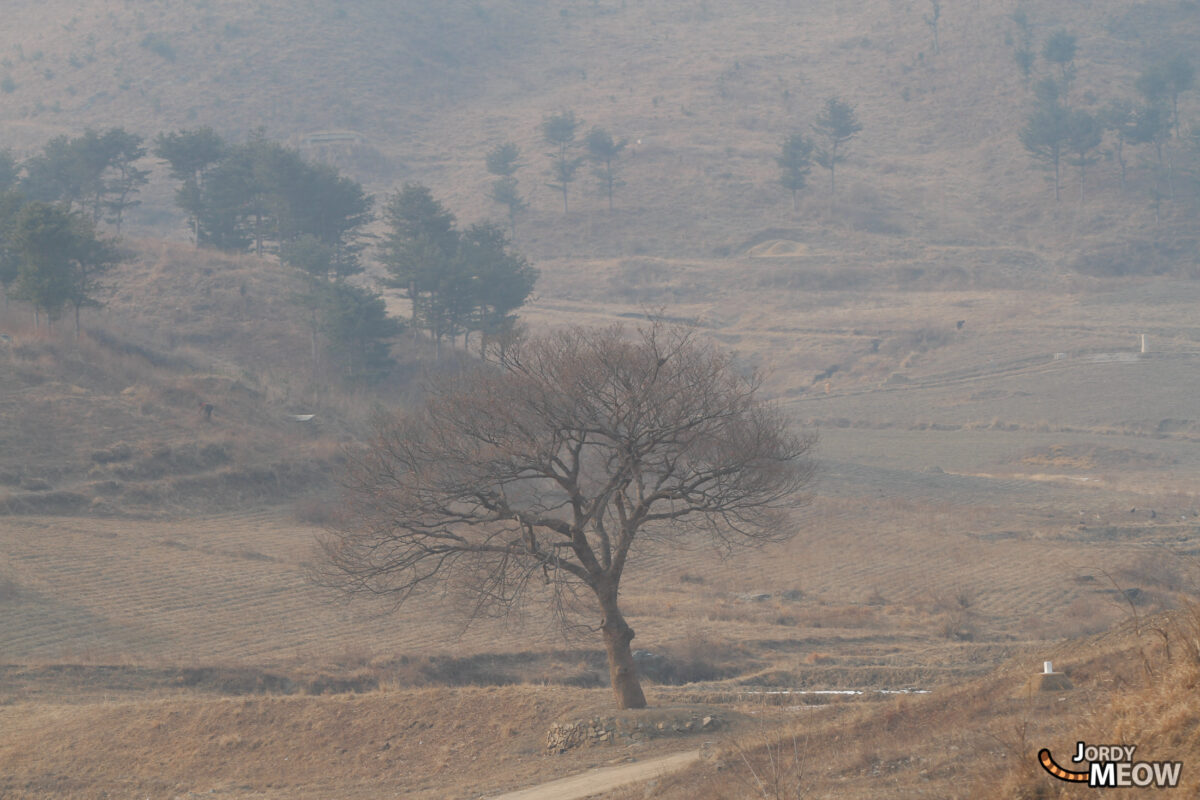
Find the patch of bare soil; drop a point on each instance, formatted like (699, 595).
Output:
(1092, 457)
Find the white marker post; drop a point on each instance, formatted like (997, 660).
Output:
(1047, 667)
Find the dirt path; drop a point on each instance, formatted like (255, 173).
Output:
(595, 781)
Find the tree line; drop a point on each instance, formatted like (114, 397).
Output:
(1059, 132)
(560, 131)
(262, 197)
(51, 255)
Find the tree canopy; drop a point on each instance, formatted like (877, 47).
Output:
(456, 281)
(558, 130)
(503, 161)
(1046, 130)
(835, 126)
(59, 259)
(556, 467)
(795, 162)
(95, 172)
(262, 193)
(604, 150)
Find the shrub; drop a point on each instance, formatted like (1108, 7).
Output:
(160, 45)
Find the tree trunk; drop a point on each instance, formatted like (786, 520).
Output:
(316, 350)
(621, 669)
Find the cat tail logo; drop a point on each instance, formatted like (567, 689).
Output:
(1112, 766)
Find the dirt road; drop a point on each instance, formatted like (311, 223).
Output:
(595, 781)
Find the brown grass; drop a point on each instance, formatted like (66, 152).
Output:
(973, 477)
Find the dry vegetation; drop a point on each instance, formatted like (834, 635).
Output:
(992, 494)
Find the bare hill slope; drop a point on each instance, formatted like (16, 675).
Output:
(705, 95)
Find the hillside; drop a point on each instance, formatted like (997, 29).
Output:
(704, 94)
(110, 422)
(1003, 387)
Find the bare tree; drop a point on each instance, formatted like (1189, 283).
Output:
(548, 469)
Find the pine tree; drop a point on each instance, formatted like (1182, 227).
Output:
(795, 162)
(835, 126)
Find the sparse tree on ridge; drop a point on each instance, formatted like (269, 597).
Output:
(1023, 47)
(1060, 49)
(603, 150)
(123, 151)
(94, 172)
(548, 473)
(503, 160)
(795, 162)
(504, 192)
(835, 126)
(1165, 81)
(190, 154)
(559, 130)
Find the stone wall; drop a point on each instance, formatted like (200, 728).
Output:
(564, 736)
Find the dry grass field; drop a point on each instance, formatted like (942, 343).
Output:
(980, 512)
(1005, 475)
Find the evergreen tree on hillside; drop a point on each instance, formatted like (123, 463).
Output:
(502, 280)
(224, 205)
(420, 242)
(1046, 130)
(1059, 50)
(503, 161)
(95, 172)
(456, 282)
(1119, 118)
(10, 171)
(603, 151)
(558, 130)
(419, 252)
(795, 162)
(1163, 82)
(264, 194)
(11, 203)
(190, 155)
(1084, 135)
(355, 323)
(60, 259)
(123, 150)
(1023, 52)
(835, 126)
